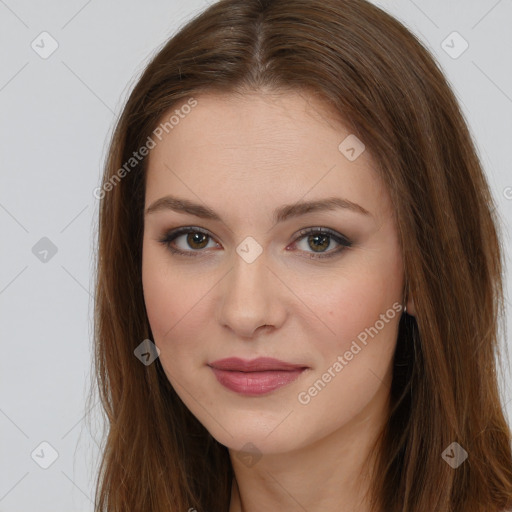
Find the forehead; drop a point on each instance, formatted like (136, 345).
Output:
(279, 147)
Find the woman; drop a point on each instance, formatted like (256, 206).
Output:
(299, 279)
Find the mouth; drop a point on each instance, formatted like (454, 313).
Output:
(255, 377)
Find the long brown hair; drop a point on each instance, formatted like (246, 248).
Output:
(386, 87)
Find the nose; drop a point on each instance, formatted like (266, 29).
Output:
(251, 298)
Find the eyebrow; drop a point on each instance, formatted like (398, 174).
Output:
(280, 214)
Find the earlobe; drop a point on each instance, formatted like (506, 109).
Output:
(410, 309)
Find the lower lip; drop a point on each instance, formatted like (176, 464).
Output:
(256, 383)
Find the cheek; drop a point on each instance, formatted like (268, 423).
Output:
(165, 295)
(361, 306)
(354, 363)
(160, 295)
(174, 307)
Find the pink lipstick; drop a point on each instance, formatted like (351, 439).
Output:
(256, 376)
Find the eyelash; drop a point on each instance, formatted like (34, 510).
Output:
(338, 238)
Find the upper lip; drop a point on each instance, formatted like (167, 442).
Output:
(254, 365)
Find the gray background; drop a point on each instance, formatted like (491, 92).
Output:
(56, 117)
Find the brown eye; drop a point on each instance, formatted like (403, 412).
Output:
(318, 240)
(186, 241)
(197, 240)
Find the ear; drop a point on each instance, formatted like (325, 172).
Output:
(411, 309)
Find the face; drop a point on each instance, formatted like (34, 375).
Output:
(235, 265)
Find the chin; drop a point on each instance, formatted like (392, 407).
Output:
(251, 434)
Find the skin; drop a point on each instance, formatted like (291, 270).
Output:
(243, 156)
